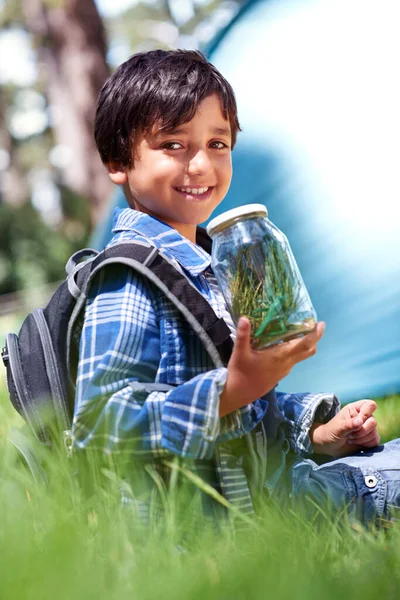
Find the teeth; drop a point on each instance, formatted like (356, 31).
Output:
(194, 191)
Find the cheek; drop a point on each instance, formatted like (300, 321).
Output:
(160, 173)
(163, 170)
(226, 170)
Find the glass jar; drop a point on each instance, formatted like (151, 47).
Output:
(258, 276)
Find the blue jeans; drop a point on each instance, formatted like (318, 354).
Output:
(366, 485)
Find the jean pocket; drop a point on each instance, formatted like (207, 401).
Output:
(324, 489)
(371, 493)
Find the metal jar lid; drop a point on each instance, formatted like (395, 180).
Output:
(235, 214)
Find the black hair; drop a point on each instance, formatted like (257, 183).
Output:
(164, 86)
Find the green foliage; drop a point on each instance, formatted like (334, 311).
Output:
(388, 417)
(10, 12)
(137, 25)
(67, 542)
(264, 289)
(32, 253)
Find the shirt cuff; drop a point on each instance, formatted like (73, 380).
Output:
(322, 408)
(301, 410)
(191, 422)
(242, 421)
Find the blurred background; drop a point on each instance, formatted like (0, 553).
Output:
(316, 84)
(54, 58)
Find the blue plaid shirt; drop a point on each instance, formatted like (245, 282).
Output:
(131, 338)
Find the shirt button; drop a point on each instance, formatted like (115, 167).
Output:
(370, 481)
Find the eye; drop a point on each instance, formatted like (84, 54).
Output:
(218, 145)
(171, 146)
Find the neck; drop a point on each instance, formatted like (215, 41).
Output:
(187, 230)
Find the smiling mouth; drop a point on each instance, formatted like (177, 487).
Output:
(197, 193)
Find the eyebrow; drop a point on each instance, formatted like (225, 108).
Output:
(221, 130)
(181, 130)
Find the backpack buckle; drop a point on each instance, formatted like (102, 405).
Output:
(68, 442)
(5, 356)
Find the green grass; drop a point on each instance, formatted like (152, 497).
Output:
(388, 417)
(64, 544)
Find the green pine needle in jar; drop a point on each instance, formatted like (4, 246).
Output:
(263, 289)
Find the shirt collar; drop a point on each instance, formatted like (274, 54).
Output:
(174, 245)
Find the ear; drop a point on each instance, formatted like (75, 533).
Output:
(117, 173)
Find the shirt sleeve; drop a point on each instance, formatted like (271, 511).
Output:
(118, 407)
(301, 411)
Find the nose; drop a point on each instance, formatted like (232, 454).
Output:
(199, 163)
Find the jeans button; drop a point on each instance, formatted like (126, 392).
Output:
(370, 481)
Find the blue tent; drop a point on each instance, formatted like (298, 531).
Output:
(318, 104)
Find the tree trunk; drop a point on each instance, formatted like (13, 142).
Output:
(71, 44)
(13, 186)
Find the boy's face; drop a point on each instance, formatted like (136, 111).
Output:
(181, 176)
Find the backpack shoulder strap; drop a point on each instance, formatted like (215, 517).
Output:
(147, 260)
(203, 239)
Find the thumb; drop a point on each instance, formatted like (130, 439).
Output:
(243, 329)
(347, 424)
(350, 424)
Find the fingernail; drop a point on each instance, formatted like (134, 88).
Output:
(357, 422)
(242, 324)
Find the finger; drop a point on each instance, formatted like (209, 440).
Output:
(295, 353)
(369, 426)
(300, 356)
(306, 344)
(365, 406)
(352, 409)
(320, 329)
(364, 409)
(369, 441)
(310, 339)
(347, 426)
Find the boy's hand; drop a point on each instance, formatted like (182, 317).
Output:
(253, 373)
(351, 430)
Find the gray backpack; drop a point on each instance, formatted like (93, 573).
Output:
(41, 362)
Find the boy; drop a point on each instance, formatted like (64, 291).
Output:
(166, 124)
